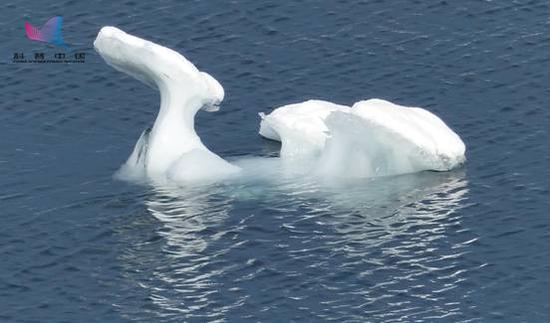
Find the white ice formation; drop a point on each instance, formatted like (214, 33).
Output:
(371, 138)
(171, 150)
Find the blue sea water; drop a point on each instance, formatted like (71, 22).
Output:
(77, 245)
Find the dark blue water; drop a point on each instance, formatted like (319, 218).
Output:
(468, 245)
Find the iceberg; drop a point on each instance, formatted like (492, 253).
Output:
(164, 152)
(300, 127)
(372, 138)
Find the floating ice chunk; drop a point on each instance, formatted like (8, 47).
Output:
(184, 90)
(439, 147)
(373, 138)
(300, 127)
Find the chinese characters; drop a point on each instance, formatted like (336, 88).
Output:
(40, 57)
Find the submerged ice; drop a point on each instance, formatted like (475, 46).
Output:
(319, 138)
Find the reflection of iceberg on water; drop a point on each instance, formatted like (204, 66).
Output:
(372, 138)
(185, 214)
(179, 280)
(204, 251)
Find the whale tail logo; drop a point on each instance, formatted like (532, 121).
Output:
(49, 33)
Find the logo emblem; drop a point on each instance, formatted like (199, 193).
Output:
(49, 33)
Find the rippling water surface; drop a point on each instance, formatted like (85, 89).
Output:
(468, 245)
